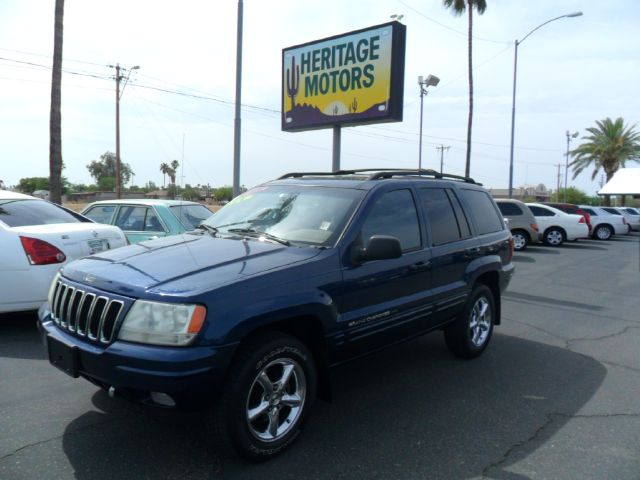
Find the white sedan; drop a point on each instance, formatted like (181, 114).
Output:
(36, 239)
(557, 226)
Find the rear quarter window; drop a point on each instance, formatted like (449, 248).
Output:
(481, 207)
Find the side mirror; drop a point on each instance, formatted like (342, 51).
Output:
(379, 247)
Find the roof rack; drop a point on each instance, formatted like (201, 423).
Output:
(380, 173)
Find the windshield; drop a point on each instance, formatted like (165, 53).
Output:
(306, 215)
(191, 216)
(20, 213)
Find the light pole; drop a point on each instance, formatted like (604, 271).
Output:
(431, 81)
(513, 104)
(566, 165)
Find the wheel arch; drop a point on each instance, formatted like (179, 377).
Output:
(492, 280)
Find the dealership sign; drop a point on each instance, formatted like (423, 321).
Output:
(350, 79)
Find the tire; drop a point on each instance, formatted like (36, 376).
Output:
(554, 237)
(603, 232)
(469, 335)
(268, 397)
(520, 240)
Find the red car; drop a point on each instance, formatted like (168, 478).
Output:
(571, 208)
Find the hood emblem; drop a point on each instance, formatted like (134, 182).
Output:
(89, 278)
(94, 233)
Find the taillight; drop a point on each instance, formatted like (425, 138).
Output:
(582, 220)
(534, 226)
(40, 252)
(512, 248)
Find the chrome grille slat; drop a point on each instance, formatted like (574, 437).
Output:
(86, 314)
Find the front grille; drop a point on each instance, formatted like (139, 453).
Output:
(85, 314)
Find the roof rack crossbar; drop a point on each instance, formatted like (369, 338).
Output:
(379, 173)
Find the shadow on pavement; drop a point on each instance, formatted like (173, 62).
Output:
(542, 249)
(509, 295)
(412, 411)
(19, 336)
(519, 257)
(582, 246)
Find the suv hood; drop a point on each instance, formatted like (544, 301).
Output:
(161, 264)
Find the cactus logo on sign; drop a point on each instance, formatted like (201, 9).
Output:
(349, 79)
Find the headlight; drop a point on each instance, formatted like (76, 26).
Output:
(52, 289)
(162, 323)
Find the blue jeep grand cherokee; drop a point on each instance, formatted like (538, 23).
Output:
(249, 311)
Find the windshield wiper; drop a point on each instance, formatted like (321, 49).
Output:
(208, 228)
(250, 232)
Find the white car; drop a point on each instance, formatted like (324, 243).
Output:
(603, 224)
(37, 238)
(632, 216)
(557, 226)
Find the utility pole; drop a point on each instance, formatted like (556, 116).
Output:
(558, 184)
(566, 164)
(442, 148)
(237, 122)
(118, 78)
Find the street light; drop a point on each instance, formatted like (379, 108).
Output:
(431, 81)
(513, 104)
(566, 165)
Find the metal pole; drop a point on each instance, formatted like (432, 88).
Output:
(513, 118)
(566, 169)
(237, 121)
(420, 139)
(118, 186)
(335, 160)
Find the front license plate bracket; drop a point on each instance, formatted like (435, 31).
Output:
(63, 356)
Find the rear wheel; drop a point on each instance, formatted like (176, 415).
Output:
(469, 334)
(554, 236)
(603, 232)
(268, 396)
(520, 240)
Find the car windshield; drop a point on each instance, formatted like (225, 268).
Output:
(20, 213)
(303, 215)
(191, 216)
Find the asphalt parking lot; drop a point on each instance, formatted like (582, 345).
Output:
(556, 396)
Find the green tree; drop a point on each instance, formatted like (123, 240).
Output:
(170, 169)
(609, 146)
(574, 195)
(105, 168)
(459, 7)
(29, 185)
(223, 193)
(55, 118)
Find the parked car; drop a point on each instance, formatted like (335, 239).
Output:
(36, 239)
(571, 208)
(523, 225)
(557, 226)
(616, 211)
(289, 279)
(148, 219)
(605, 225)
(632, 215)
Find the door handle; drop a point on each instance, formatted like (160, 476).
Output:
(416, 267)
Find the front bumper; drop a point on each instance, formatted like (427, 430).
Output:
(189, 375)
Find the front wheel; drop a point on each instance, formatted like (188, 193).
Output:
(268, 397)
(469, 334)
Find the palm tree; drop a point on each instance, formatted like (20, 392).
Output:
(173, 170)
(608, 147)
(459, 7)
(55, 121)
(164, 168)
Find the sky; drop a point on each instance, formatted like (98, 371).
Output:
(180, 103)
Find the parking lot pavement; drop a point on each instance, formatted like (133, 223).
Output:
(554, 397)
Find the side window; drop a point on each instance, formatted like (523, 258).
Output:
(463, 222)
(394, 214)
(481, 207)
(151, 222)
(508, 208)
(541, 212)
(101, 213)
(443, 220)
(131, 219)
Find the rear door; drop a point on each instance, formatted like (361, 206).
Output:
(140, 223)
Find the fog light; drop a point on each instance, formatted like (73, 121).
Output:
(163, 399)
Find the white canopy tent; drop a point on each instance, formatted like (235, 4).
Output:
(625, 181)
